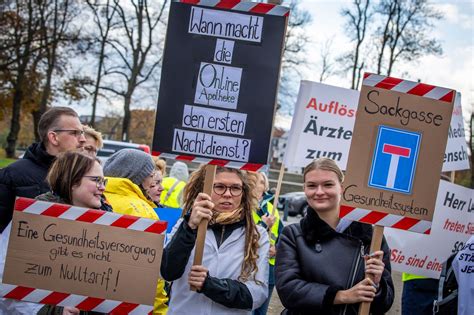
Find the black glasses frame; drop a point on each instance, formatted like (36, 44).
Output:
(232, 193)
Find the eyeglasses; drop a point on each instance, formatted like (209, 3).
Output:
(73, 132)
(99, 180)
(220, 189)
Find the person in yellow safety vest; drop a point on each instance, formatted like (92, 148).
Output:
(418, 294)
(130, 174)
(264, 216)
(171, 196)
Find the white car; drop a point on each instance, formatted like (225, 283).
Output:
(111, 146)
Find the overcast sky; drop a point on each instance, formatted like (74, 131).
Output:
(454, 69)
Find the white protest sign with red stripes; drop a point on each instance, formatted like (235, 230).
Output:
(453, 224)
(90, 259)
(396, 153)
(219, 82)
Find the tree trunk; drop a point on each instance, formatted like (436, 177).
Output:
(126, 118)
(19, 86)
(355, 66)
(15, 121)
(97, 83)
(44, 97)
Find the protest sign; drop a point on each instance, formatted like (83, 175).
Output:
(322, 124)
(219, 82)
(463, 267)
(59, 251)
(397, 153)
(453, 224)
(456, 156)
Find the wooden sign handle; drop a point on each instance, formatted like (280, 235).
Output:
(375, 245)
(278, 188)
(202, 228)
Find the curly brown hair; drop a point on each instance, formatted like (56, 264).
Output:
(195, 185)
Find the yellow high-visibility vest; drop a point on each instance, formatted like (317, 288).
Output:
(171, 194)
(274, 231)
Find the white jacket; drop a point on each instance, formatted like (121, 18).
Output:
(224, 262)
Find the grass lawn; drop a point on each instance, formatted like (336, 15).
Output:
(5, 162)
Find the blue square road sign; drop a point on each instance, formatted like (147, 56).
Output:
(394, 160)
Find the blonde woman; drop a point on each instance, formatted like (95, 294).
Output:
(321, 262)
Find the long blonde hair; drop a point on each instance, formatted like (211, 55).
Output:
(195, 185)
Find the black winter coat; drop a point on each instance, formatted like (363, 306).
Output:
(314, 262)
(23, 178)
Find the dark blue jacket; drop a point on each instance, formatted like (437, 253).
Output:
(24, 178)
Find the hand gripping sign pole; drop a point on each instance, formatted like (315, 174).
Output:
(207, 113)
(396, 156)
(375, 245)
(201, 234)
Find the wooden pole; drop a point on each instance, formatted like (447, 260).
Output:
(375, 245)
(452, 177)
(278, 188)
(202, 228)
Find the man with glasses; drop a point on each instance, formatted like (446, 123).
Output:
(59, 130)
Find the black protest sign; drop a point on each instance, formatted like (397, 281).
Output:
(219, 83)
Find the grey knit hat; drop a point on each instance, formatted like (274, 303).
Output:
(133, 164)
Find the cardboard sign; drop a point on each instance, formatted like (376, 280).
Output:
(456, 156)
(91, 260)
(322, 124)
(453, 224)
(219, 83)
(398, 147)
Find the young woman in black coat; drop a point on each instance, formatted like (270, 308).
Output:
(321, 262)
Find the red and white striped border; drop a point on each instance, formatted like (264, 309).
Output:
(65, 299)
(69, 212)
(243, 6)
(254, 167)
(409, 87)
(85, 303)
(385, 219)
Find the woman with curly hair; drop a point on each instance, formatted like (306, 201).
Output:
(234, 273)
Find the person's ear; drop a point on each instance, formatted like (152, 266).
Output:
(53, 138)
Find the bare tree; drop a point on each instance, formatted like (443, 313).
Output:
(327, 64)
(20, 33)
(55, 17)
(294, 53)
(405, 32)
(103, 18)
(356, 26)
(137, 49)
